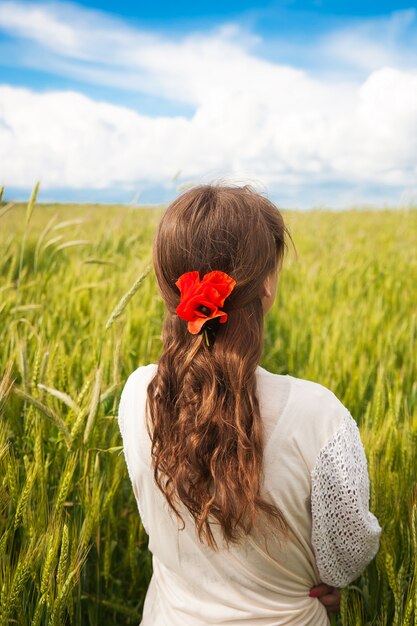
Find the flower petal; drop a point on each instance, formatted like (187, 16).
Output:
(194, 326)
(222, 282)
(187, 280)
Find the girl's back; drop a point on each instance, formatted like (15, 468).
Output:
(314, 472)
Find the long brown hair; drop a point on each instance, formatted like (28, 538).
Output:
(207, 437)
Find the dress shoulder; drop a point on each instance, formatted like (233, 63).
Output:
(313, 415)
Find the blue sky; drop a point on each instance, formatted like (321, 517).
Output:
(314, 103)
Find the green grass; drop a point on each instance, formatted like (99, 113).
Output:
(72, 548)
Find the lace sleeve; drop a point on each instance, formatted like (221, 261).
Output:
(345, 534)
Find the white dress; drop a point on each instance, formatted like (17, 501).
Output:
(315, 472)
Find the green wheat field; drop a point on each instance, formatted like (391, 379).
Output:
(79, 311)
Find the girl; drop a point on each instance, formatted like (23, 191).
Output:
(266, 472)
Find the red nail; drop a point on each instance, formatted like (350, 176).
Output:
(314, 594)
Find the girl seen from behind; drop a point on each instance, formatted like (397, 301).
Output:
(252, 486)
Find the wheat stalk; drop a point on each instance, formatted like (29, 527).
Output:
(61, 395)
(122, 304)
(50, 559)
(63, 558)
(24, 496)
(56, 419)
(95, 400)
(59, 604)
(29, 210)
(65, 483)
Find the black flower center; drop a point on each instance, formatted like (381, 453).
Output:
(204, 309)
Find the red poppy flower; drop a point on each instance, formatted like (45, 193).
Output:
(200, 299)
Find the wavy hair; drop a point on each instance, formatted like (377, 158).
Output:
(202, 406)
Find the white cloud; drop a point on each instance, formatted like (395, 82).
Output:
(38, 24)
(68, 140)
(253, 118)
(375, 43)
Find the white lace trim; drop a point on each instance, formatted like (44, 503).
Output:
(345, 534)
